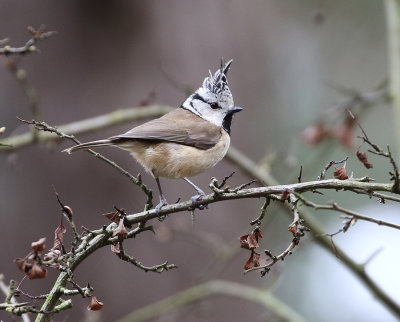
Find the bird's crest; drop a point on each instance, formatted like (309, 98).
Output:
(217, 83)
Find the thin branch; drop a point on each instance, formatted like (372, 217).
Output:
(334, 206)
(258, 220)
(29, 91)
(300, 174)
(297, 228)
(67, 212)
(225, 180)
(29, 47)
(137, 181)
(378, 151)
(10, 299)
(382, 197)
(156, 268)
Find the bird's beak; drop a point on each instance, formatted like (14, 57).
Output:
(236, 109)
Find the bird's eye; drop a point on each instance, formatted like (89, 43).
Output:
(214, 105)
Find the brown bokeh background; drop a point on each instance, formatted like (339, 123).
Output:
(113, 54)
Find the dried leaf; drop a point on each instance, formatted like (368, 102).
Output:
(57, 249)
(23, 265)
(115, 249)
(341, 173)
(244, 242)
(36, 272)
(314, 134)
(113, 216)
(120, 231)
(362, 156)
(59, 233)
(95, 305)
(39, 245)
(253, 261)
(250, 241)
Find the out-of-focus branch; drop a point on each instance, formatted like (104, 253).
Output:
(210, 288)
(29, 47)
(393, 37)
(12, 301)
(87, 125)
(30, 93)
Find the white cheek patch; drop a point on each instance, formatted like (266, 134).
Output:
(214, 116)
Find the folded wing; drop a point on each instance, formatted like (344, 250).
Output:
(178, 126)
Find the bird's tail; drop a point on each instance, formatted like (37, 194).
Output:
(88, 145)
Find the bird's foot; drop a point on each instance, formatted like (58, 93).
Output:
(163, 202)
(198, 198)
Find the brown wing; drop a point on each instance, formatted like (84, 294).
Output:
(179, 126)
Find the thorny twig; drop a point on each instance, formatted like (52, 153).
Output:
(156, 268)
(378, 151)
(300, 174)
(29, 47)
(137, 181)
(331, 163)
(336, 207)
(225, 194)
(67, 212)
(224, 180)
(217, 187)
(297, 228)
(258, 220)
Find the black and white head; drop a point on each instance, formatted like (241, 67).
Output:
(213, 101)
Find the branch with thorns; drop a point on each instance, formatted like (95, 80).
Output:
(29, 47)
(115, 233)
(42, 126)
(250, 241)
(395, 175)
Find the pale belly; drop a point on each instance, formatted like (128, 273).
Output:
(175, 161)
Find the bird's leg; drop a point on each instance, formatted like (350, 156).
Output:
(199, 196)
(163, 201)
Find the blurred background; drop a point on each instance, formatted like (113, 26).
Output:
(294, 62)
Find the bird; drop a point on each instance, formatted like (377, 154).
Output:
(187, 140)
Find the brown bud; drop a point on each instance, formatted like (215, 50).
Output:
(37, 271)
